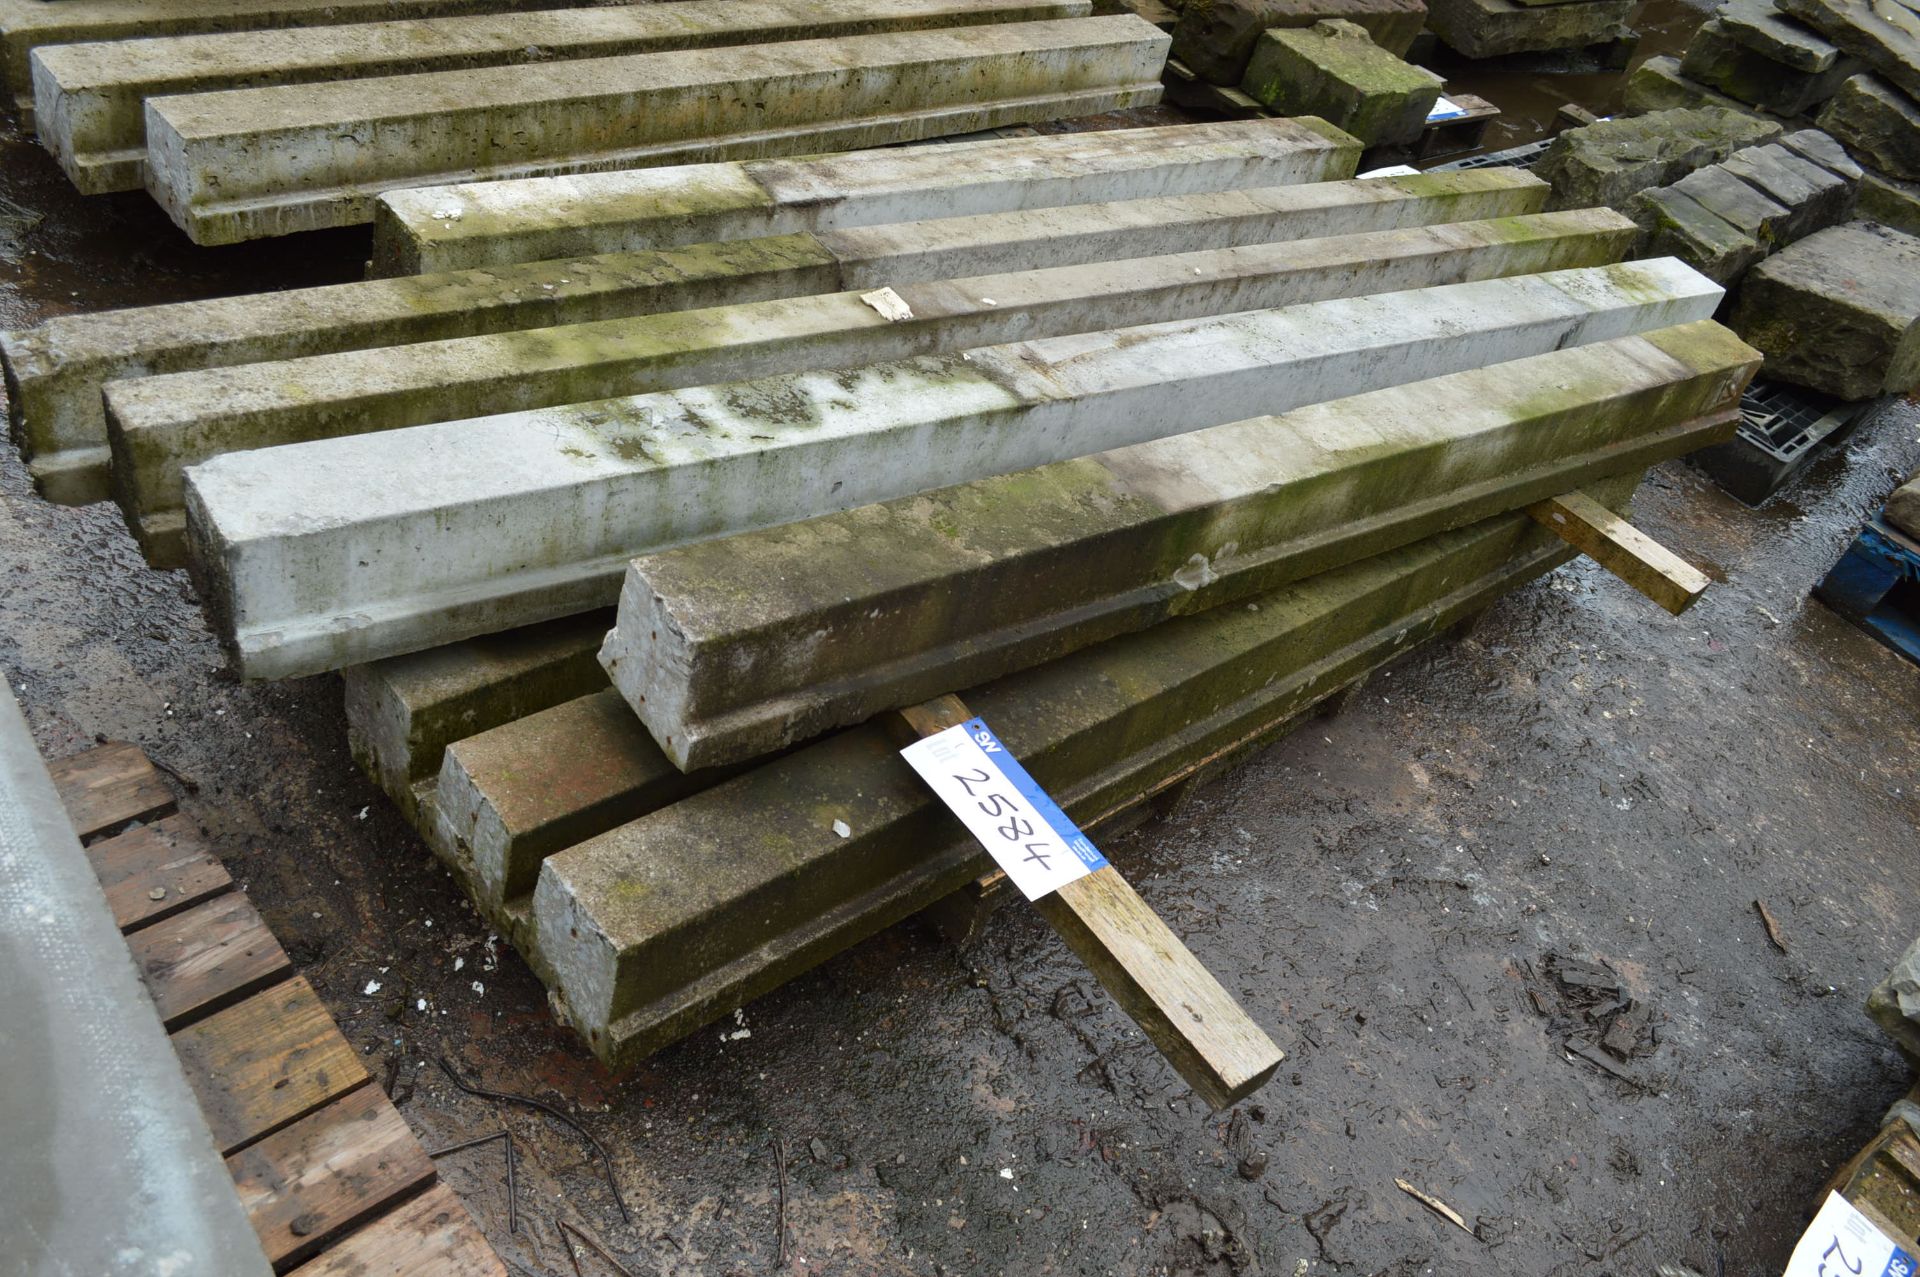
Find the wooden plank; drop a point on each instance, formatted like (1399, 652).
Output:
(1622, 549)
(155, 871)
(207, 958)
(266, 1063)
(327, 1174)
(1196, 1024)
(431, 1234)
(109, 786)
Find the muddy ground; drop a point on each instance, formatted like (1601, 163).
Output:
(1582, 776)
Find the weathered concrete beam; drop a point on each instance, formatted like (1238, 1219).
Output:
(736, 647)
(507, 799)
(661, 925)
(403, 712)
(158, 426)
(1292, 492)
(314, 556)
(249, 163)
(26, 25)
(494, 223)
(58, 369)
(89, 99)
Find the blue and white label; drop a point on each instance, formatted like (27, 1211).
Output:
(1841, 1242)
(1024, 831)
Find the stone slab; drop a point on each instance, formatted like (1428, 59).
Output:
(158, 426)
(1216, 40)
(1815, 197)
(1740, 205)
(1494, 28)
(1657, 85)
(1761, 26)
(1891, 202)
(1609, 162)
(89, 98)
(403, 712)
(1884, 34)
(315, 556)
(1716, 58)
(758, 872)
(496, 223)
(1878, 124)
(1812, 144)
(1335, 71)
(58, 369)
(1838, 312)
(26, 25)
(249, 163)
(732, 648)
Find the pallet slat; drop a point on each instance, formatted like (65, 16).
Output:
(432, 1234)
(109, 786)
(207, 958)
(328, 1173)
(266, 1063)
(167, 857)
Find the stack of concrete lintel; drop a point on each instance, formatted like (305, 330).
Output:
(275, 116)
(1146, 442)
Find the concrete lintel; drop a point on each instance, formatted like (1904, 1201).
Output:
(58, 369)
(778, 889)
(248, 163)
(440, 228)
(313, 556)
(736, 647)
(159, 426)
(88, 98)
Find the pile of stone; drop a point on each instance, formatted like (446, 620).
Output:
(633, 518)
(1852, 66)
(1498, 28)
(1723, 218)
(1747, 56)
(254, 118)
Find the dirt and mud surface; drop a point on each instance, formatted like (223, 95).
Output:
(1582, 778)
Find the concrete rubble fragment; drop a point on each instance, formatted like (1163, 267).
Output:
(318, 555)
(1838, 312)
(809, 632)
(248, 163)
(1216, 40)
(89, 98)
(1335, 71)
(158, 426)
(438, 228)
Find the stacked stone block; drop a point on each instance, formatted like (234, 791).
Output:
(1747, 56)
(1496, 28)
(1726, 217)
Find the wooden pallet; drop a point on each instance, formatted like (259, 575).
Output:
(331, 1177)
